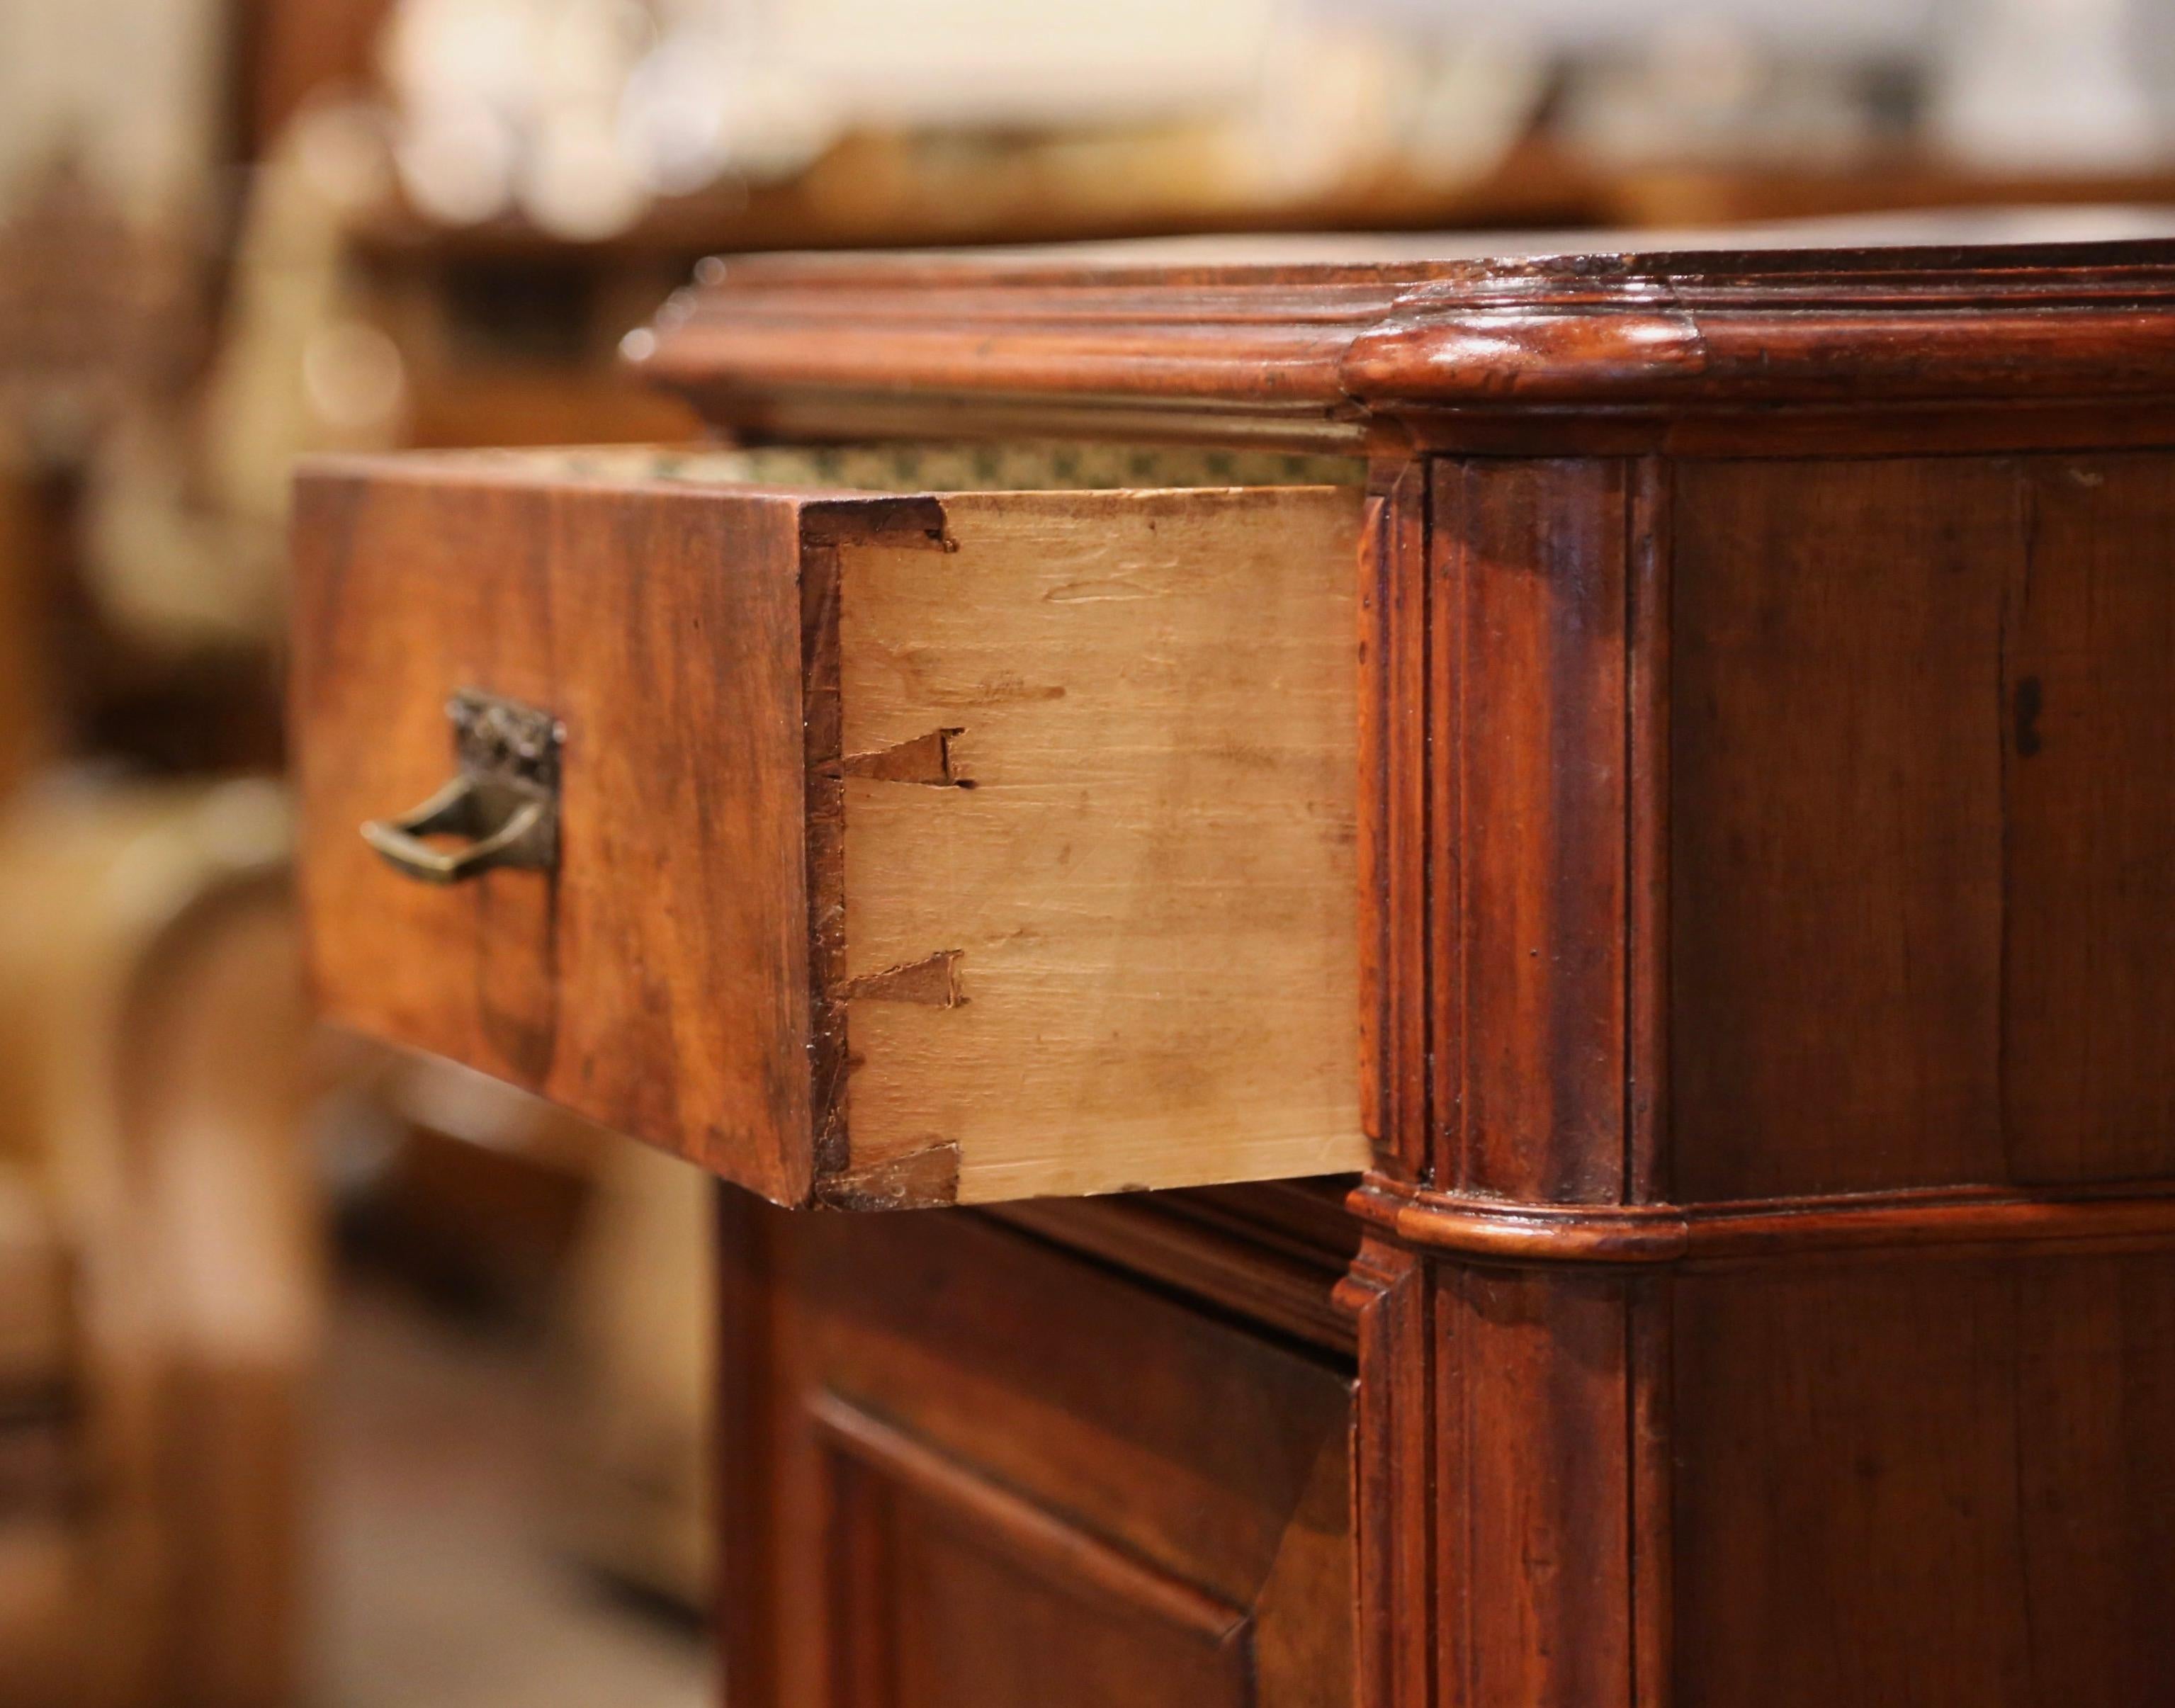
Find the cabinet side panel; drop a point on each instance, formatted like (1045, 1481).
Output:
(1927, 1481)
(2088, 748)
(1922, 837)
(1835, 821)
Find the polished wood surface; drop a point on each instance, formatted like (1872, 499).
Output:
(1760, 1283)
(1531, 584)
(686, 1023)
(1980, 1482)
(1915, 824)
(953, 1511)
(1359, 342)
(1394, 839)
(1836, 831)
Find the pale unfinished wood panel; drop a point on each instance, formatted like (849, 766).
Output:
(1100, 883)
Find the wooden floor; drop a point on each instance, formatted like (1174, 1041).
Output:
(439, 1583)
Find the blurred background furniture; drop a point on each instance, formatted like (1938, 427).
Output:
(161, 1246)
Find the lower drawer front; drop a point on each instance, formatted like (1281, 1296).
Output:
(872, 849)
(934, 1493)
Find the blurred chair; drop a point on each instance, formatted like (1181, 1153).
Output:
(159, 1270)
(25, 702)
(494, 1197)
(638, 1329)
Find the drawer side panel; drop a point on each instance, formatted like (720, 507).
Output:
(1100, 857)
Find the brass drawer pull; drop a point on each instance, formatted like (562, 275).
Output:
(459, 808)
(504, 797)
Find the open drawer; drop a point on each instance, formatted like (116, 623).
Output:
(865, 848)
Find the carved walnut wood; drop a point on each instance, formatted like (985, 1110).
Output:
(1764, 906)
(1766, 868)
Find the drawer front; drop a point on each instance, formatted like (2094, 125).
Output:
(932, 1494)
(896, 850)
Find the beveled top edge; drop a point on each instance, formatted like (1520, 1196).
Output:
(2068, 305)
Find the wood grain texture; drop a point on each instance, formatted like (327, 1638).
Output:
(1271, 1254)
(1944, 1483)
(1012, 1526)
(1534, 1480)
(2088, 944)
(1836, 823)
(1530, 713)
(1920, 852)
(1939, 1219)
(656, 982)
(1649, 523)
(931, 1558)
(1395, 837)
(1761, 795)
(1389, 1292)
(1368, 341)
(1142, 869)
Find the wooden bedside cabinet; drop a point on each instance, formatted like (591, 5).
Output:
(1531, 890)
